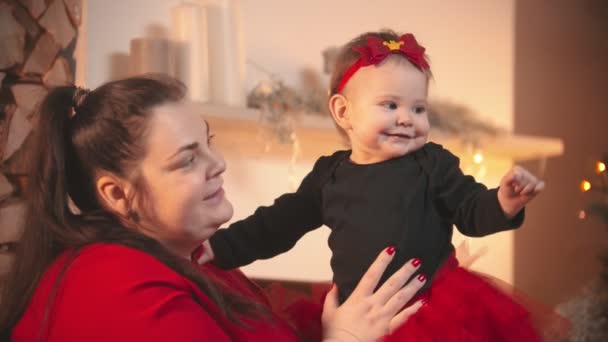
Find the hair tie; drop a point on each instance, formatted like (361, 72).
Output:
(79, 95)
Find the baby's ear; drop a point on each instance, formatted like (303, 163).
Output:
(338, 106)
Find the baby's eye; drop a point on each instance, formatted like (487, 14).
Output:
(420, 109)
(389, 105)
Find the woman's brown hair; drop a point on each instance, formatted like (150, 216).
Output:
(78, 135)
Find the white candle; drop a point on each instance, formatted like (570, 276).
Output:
(191, 58)
(226, 52)
(149, 55)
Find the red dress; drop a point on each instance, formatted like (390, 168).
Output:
(114, 293)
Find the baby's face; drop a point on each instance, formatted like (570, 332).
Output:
(387, 110)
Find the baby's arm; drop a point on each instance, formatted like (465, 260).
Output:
(274, 229)
(471, 206)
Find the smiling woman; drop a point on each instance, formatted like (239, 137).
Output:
(136, 161)
(183, 174)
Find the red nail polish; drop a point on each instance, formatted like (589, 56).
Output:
(391, 250)
(421, 277)
(416, 262)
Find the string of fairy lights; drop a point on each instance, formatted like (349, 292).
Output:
(599, 185)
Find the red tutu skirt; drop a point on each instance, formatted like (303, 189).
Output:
(466, 306)
(462, 306)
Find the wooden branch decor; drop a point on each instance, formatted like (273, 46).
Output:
(12, 38)
(37, 39)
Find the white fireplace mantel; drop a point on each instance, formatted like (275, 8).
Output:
(239, 131)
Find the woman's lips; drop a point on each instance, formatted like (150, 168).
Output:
(216, 196)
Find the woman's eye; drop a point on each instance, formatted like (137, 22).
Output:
(189, 161)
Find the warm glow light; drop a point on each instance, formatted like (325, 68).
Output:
(582, 215)
(600, 167)
(585, 186)
(478, 158)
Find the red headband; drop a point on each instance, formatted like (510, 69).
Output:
(377, 50)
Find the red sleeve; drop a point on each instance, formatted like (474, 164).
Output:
(113, 293)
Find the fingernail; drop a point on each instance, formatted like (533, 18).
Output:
(421, 277)
(391, 250)
(416, 262)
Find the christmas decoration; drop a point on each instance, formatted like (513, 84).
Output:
(588, 312)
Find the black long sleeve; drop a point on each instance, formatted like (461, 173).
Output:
(274, 229)
(409, 202)
(471, 206)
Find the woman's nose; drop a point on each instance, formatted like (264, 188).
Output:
(217, 164)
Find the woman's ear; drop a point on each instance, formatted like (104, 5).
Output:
(338, 106)
(114, 194)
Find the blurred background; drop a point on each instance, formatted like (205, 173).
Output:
(515, 81)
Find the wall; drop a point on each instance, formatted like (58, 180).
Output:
(471, 48)
(560, 90)
(467, 39)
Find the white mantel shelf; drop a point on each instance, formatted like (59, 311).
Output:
(238, 132)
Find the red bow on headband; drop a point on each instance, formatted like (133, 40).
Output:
(377, 50)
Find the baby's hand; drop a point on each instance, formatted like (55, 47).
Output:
(517, 188)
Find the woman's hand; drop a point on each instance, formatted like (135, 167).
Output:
(367, 315)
